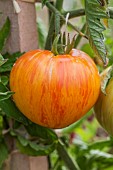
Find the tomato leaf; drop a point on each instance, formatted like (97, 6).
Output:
(2, 60)
(101, 144)
(34, 149)
(9, 63)
(87, 49)
(99, 156)
(4, 33)
(43, 2)
(94, 13)
(42, 33)
(3, 152)
(5, 95)
(4, 80)
(42, 132)
(10, 109)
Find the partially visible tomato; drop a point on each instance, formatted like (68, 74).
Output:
(54, 91)
(104, 106)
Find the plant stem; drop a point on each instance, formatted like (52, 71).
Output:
(54, 27)
(57, 23)
(50, 12)
(66, 158)
(54, 10)
(59, 4)
(77, 41)
(81, 12)
(48, 43)
(74, 13)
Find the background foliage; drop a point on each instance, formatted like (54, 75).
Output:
(84, 144)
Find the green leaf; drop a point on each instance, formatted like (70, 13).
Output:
(100, 144)
(3, 152)
(2, 60)
(4, 32)
(103, 157)
(42, 132)
(33, 149)
(44, 2)
(87, 49)
(81, 145)
(4, 80)
(22, 140)
(11, 60)
(42, 33)
(10, 109)
(1, 57)
(95, 12)
(5, 95)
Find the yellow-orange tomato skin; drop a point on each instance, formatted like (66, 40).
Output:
(54, 91)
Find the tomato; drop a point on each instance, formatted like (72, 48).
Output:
(54, 91)
(104, 106)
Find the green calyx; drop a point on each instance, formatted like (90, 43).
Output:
(62, 44)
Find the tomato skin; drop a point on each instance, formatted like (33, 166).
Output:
(54, 91)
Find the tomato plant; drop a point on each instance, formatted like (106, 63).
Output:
(55, 88)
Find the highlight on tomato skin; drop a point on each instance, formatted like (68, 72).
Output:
(54, 91)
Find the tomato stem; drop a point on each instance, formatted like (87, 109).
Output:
(62, 44)
(53, 9)
(55, 18)
(74, 13)
(77, 41)
(55, 44)
(48, 43)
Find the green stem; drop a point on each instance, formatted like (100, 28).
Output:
(54, 10)
(48, 43)
(50, 12)
(54, 27)
(66, 158)
(81, 12)
(59, 4)
(78, 39)
(57, 23)
(74, 13)
(55, 45)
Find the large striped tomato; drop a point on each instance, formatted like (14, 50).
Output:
(54, 91)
